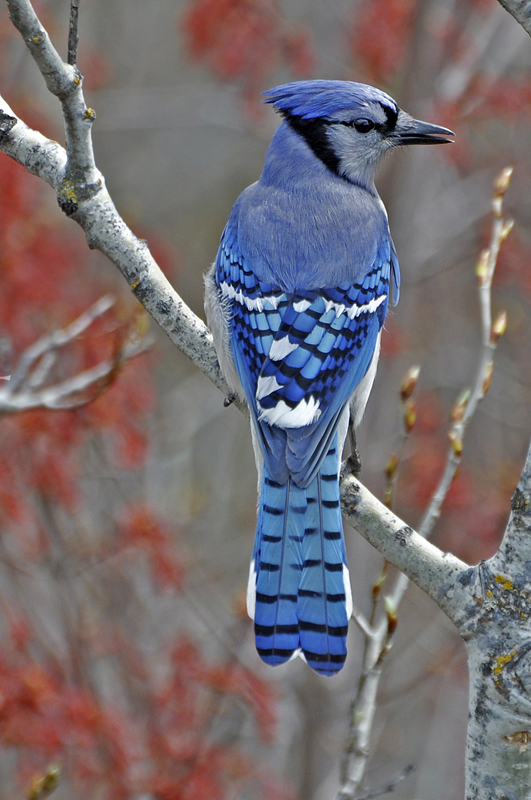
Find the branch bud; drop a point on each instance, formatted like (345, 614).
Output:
(45, 784)
(499, 327)
(501, 184)
(507, 227)
(392, 466)
(392, 616)
(409, 383)
(482, 267)
(460, 404)
(410, 415)
(488, 377)
(456, 440)
(377, 587)
(502, 181)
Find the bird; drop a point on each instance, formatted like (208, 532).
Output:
(295, 301)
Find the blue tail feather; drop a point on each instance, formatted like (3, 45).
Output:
(302, 594)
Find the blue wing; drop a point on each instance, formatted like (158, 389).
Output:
(300, 356)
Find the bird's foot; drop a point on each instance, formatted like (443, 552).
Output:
(353, 464)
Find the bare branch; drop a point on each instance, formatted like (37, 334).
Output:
(24, 388)
(362, 623)
(73, 35)
(378, 640)
(47, 344)
(515, 548)
(431, 569)
(521, 11)
(106, 231)
(65, 82)
(82, 194)
(389, 787)
(468, 402)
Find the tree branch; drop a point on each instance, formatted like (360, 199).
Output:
(434, 571)
(25, 388)
(73, 35)
(454, 600)
(389, 787)
(466, 405)
(106, 231)
(521, 11)
(82, 194)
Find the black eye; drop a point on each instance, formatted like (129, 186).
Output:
(363, 125)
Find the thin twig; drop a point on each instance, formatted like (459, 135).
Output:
(467, 403)
(377, 635)
(73, 35)
(53, 341)
(389, 787)
(379, 638)
(25, 390)
(362, 623)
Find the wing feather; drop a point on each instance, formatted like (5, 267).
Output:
(300, 356)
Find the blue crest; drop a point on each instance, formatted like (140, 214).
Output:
(319, 98)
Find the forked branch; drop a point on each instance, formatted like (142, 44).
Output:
(30, 384)
(437, 575)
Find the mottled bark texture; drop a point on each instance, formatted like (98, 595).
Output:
(495, 625)
(521, 11)
(490, 605)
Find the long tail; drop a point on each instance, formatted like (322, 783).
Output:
(299, 589)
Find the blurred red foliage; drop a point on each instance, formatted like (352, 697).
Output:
(245, 41)
(190, 761)
(143, 530)
(167, 751)
(381, 36)
(41, 262)
(154, 731)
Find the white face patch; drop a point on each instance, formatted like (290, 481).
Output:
(282, 415)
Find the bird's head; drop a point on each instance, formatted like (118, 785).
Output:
(350, 126)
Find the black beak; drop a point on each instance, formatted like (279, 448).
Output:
(414, 131)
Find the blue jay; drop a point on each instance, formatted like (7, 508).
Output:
(296, 300)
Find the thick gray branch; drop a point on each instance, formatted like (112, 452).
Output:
(438, 574)
(521, 11)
